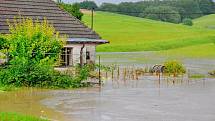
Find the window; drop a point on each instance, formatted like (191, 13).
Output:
(88, 55)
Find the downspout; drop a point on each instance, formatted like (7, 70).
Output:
(81, 55)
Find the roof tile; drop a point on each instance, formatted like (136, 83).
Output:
(40, 9)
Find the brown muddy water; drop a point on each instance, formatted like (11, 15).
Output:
(145, 99)
(27, 101)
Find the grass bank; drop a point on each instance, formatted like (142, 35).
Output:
(129, 34)
(205, 22)
(4, 88)
(18, 117)
(196, 51)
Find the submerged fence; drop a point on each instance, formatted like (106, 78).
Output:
(117, 71)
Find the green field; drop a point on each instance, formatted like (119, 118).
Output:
(127, 33)
(206, 22)
(197, 51)
(17, 117)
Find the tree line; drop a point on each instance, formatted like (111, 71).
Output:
(174, 11)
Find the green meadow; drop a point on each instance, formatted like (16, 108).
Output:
(17, 117)
(205, 22)
(195, 51)
(129, 34)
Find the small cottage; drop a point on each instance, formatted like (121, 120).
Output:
(82, 42)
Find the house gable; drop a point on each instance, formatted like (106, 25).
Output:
(40, 9)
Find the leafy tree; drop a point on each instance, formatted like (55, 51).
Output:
(74, 9)
(188, 8)
(129, 8)
(188, 21)
(108, 7)
(162, 13)
(88, 5)
(142, 5)
(206, 6)
(59, 1)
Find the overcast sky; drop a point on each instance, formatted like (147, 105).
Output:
(99, 2)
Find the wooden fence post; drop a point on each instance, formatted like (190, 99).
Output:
(99, 71)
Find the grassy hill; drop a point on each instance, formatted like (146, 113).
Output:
(206, 22)
(197, 51)
(127, 33)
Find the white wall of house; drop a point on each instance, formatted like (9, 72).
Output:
(92, 49)
(75, 59)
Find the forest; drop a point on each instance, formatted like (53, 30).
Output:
(174, 11)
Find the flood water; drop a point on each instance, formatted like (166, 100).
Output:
(145, 99)
(27, 101)
(194, 102)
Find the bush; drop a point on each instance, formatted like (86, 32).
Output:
(212, 73)
(188, 22)
(175, 68)
(34, 49)
(41, 77)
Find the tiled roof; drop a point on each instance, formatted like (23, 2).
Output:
(82, 40)
(40, 9)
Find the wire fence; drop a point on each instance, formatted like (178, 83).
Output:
(118, 72)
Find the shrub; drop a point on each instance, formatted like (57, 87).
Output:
(34, 49)
(175, 68)
(28, 44)
(212, 73)
(188, 22)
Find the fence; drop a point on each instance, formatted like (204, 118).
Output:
(116, 69)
